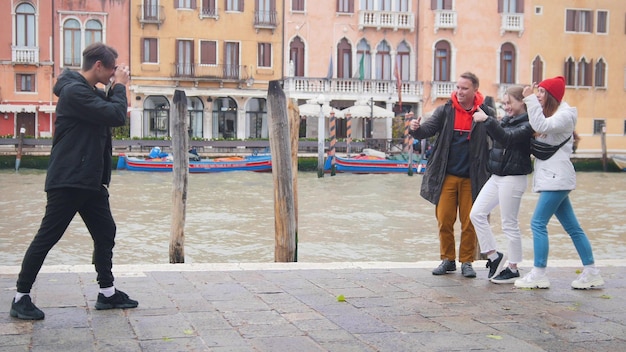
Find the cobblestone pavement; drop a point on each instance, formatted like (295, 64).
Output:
(301, 307)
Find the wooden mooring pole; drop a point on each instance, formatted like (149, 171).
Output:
(18, 155)
(284, 200)
(180, 147)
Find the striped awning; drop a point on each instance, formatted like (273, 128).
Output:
(15, 108)
(47, 108)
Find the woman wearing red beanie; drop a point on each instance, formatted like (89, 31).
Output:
(554, 178)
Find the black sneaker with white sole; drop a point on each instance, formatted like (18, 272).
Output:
(119, 300)
(506, 276)
(495, 266)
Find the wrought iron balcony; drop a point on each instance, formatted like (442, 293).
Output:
(386, 20)
(26, 55)
(151, 15)
(235, 73)
(265, 19)
(512, 22)
(445, 19)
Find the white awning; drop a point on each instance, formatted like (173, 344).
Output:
(47, 108)
(14, 108)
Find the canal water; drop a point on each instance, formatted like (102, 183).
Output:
(230, 218)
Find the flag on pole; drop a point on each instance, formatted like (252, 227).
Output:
(359, 73)
(398, 83)
(329, 75)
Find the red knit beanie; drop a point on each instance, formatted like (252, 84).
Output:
(555, 86)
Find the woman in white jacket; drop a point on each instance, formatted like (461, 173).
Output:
(554, 178)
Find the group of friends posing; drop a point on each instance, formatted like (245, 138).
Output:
(461, 164)
(480, 162)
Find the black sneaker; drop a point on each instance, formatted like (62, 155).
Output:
(119, 300)
(506, 276)
(467, 270)
(495, 267)
(445, 267)
(25, 309)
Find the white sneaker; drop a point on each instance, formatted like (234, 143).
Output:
(588, 279)
(533, 280)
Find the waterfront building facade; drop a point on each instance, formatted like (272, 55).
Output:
(47, 37)
(385, 57)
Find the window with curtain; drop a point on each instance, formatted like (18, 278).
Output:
(364, 56)
(404, 61)
(264, 55)
(150, 51)
(507, 63)
(537, 69)
(234, 5)
(93, 32)
(184, 58)
(578, 21)
(441, 4)
(344, 59)
(442, 62)
(600, 74)
(209, 8)
(297, 5)
(231, 60)
(25, 29)
(383, 61)
(584, 72)
(24, 82)
(72, 51)
(345, 6)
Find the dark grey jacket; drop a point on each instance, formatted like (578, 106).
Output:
(441, 124)
(81, 146)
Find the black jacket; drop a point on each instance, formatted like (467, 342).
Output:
(441, 123)
(81, 146)
(510, 154)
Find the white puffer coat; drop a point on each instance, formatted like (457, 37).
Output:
(556, 173)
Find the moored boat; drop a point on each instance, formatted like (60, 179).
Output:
(258, 163)
(364, 164)
(620, 161)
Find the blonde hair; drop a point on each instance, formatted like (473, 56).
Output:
(515, 92)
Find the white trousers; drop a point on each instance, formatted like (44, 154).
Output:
(506, 191)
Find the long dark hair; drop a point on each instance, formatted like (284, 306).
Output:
(551, 105)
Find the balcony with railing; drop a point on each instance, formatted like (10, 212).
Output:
(445, 19)
(265, 20)
(234, 73)
(442, 89)
(209, 12)
(512, 22)
(151, 15)
(25, 55)
(352, 89)
(386, 20)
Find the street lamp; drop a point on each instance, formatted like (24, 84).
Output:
(321, 100)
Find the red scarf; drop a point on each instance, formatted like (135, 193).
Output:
(463, 118)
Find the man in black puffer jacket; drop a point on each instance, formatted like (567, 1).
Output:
(79, 174)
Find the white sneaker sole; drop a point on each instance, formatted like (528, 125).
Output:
(587, 285)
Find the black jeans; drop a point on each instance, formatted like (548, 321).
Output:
(63, 204)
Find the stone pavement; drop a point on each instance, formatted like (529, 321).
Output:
(295, 307)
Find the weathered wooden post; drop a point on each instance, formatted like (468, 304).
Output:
(284, 204)
(180, 147)
(349, 133)
(603, 146)
(294, 123)
(408, 147)
(333, 141)
(18, 155)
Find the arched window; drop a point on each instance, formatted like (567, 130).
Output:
(383, 61)
(344, 59)
(442, 62)
(256, 114)
(584, 73)
(537, 69)
(195, 110)
(156, 116)
(507, 63)
(224, 118)
(71, 43)
(404, 61)
(569, 71)
(93, 32)
(296, 56)
(600, 74)
(364, 57)
(25, 31)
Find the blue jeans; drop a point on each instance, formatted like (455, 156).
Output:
(557, 203)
